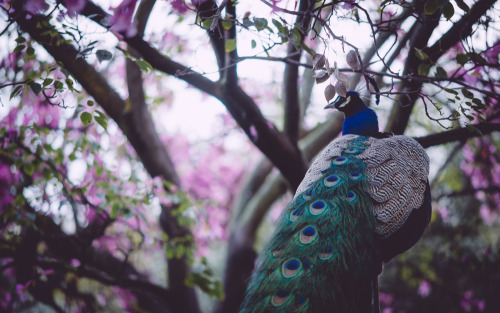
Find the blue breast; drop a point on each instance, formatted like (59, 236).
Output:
(362, 123)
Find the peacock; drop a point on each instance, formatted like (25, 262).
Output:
(365, 199)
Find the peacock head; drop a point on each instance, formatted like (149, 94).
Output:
(349, 105)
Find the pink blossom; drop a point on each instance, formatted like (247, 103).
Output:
(443, 213)
(75, 262)
(35, 6)
(179, 6)
(424, 289)
(254, 134)
(74, 6)
(121, 21)
(349, 4)
(492, 53)
(21, 291)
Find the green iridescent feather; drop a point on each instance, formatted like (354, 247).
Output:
(324, 246)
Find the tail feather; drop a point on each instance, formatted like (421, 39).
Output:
(323, 254)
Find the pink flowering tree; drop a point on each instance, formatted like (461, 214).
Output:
(106, 207)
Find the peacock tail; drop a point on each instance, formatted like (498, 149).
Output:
(330, 241)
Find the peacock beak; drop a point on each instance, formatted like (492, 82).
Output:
(335, 104)
(330, 105)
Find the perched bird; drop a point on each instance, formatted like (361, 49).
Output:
(364, 200)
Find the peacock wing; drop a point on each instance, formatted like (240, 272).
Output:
(398, 168)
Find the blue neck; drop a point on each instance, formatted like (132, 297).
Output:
(363, 122)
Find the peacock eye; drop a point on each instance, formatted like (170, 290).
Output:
(326, 253)
(355, 176)
(340, 160)
(296, 214)
(351, 150)
(307, 195)
(280, 297)
(317, 207)
(291, 268)
(331, 181)
(308, 234)
(351, 196)
(300, 302)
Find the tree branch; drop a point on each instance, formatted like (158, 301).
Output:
(400, 114)
(290, 88)
(137, 125)
(241, 106)
(401, 111)
(456, 135)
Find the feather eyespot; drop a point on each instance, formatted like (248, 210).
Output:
(307, 195)
(291, 268)
(351, 196)
(308, 235)
(351, 150)
(340, 160)
(276, 253)
(327, 253)
(306, 265)
(356, 176)
(300, 302)
(317, 207)
(331, 181)
(296, 214)
(280, 297)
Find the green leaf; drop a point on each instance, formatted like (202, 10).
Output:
(260, 23)
(16, 91)
(295, 37)
(29, 168)
(462, 58)
(20, 39)
(19, 48)
(58, 85)
(103, 55)
(102, 122)
(476, 57)
(30, 51)
(36, 87)
(230, 45)
(114, 210)
(86, 118)
(448, 90)
(278, 24)
(479, 103)
(423, 69)
(101, 115)
(69, 83)
(47, 82)
(253, 44)
(144, 65)
(90, 103)
(421, 54)
(430, 7)
(227, 25)
(441, 73)
(473, 129)
(307, 49)
(47, 174)
(448, 10)
(207, 23)
(462, 5)
(467, 93)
